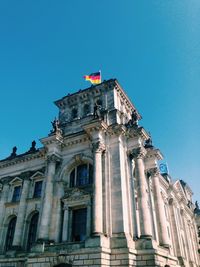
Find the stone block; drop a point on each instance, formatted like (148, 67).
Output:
(89, 262)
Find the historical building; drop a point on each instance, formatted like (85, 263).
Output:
(93, 195)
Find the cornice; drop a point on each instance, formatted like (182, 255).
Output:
(154, 153)
(92, 90)
(125, 98)
(139, 131)
(52, 139)
(94, 126)
(23, 158)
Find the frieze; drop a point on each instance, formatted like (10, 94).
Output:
(76, 194)
(75, 141)
(22, 158)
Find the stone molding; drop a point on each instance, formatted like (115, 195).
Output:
(75, 194)
(75, 141)
(22, 158)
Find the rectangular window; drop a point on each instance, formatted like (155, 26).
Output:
(79, 219)
(16, 194)
(38, 189)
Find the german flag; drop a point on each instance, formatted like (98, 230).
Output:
(94, 78)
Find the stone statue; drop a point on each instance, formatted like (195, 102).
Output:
(134, 119)
(33, 147)
(97, 111)
(148, 142)
(14, 152)
(197, 209)
(56, 127)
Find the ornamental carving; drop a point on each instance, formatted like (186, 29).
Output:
(153, 172)
(138, 153)
(98, 147)
(53, 158)
(76, 194)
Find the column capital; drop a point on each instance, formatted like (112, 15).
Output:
(53, 158)
(138, 153)
(153, 171)
(98, 147)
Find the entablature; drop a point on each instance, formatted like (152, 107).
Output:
(23, 158)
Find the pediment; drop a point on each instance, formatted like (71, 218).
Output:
(36, 175)
(76, 194)
(16, 181)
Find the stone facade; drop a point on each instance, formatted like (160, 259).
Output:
(93, 195)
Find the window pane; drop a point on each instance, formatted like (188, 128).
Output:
(32, 230)
(72, 178)
(16, 194)
(86, 109)
(10, 233)
(82, 175)
(79, 224)
(90, 174)
(38, 189)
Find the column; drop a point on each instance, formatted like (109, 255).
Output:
(160, 209)
(4, 198)
(143, 199)
(98, 148)
(17, 241)
(133, 206)
(65, 224)
(48, 197)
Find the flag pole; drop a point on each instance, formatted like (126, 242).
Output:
(100, 76)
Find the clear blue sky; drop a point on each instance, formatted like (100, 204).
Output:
(152, 47)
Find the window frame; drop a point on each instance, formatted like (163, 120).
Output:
(75, 180)
(72, 203)
(16, 197)
(34, 189)
(30, 242)
(73, 228)
(10, 233)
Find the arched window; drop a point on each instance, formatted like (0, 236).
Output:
(81, 175)
(74, 114)
(10, 233)
(32, 230)
(86, 109)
